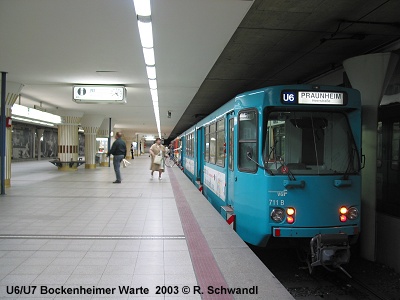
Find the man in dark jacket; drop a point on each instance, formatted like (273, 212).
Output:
(118, 149)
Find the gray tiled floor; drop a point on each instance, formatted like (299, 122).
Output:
(120, 219)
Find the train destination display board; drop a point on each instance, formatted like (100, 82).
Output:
(313, 97)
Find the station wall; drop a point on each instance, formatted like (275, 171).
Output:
(25, 142)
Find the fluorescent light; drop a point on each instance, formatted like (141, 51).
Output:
(146, 34)
(33, 121)
(153, 84)
(154, 95)
(151, 72)
(150, 138)
(142, 7)
(34, 114)
(143, 12)
(149, 56)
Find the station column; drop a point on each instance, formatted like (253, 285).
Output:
(103, 132)
(68, 143)
(39, 135)
(370, 74)
(12, 92)
(91, 124)
(128, 140)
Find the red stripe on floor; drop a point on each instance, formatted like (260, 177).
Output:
(204, 264)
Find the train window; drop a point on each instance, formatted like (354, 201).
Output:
(395, 146)
(247, 141)
(187, 145)
(192, 144)
(221, 143)
(230, 157)
(213, 143)
(310, 143)
(207, 143)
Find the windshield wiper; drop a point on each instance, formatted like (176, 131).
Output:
(249, 155)
(351, 153)
(269, 155)
(289, 173)
(315, 142)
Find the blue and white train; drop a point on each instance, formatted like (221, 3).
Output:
(283, 162)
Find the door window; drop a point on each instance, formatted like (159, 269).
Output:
(247, 141)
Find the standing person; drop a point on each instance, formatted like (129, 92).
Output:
(156, 149)
(171, 151)
(118, 149)
(132, 150)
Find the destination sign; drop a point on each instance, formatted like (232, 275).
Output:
(320, 98)
(313, 97)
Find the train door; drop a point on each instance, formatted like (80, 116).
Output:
(200, 156)
(246, 147)
(230, 155)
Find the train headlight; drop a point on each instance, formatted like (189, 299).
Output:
(278, 215)
(352, 213)
(290, 211)
(343, 210)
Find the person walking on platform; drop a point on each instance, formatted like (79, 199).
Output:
(118, 149)
(157, 153)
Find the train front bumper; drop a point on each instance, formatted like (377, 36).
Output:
(310, 232)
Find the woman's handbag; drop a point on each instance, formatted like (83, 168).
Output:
(158, 159)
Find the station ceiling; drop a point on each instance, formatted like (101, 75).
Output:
(206, 51)
(290, 41)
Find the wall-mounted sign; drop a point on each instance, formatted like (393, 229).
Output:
(99, 94)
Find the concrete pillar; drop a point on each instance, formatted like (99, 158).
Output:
(91, 124)
(370, 74)
(33, 152)
(39, 141)
(103, 133)
(137, 150)
(12, 92)
(128, 140)
(68, 143)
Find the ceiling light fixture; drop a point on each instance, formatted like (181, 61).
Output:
(151, 72)
(154, 95)
(146, 34)
(149, 56)
(153, 84)
(143, 15)
(34, 115)
(142, 7)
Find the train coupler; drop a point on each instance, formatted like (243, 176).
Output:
(329, 250)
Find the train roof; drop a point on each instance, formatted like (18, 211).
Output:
(229, 106)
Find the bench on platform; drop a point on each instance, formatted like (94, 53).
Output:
(58, 163)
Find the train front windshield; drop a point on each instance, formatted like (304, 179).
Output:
(309, 143)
